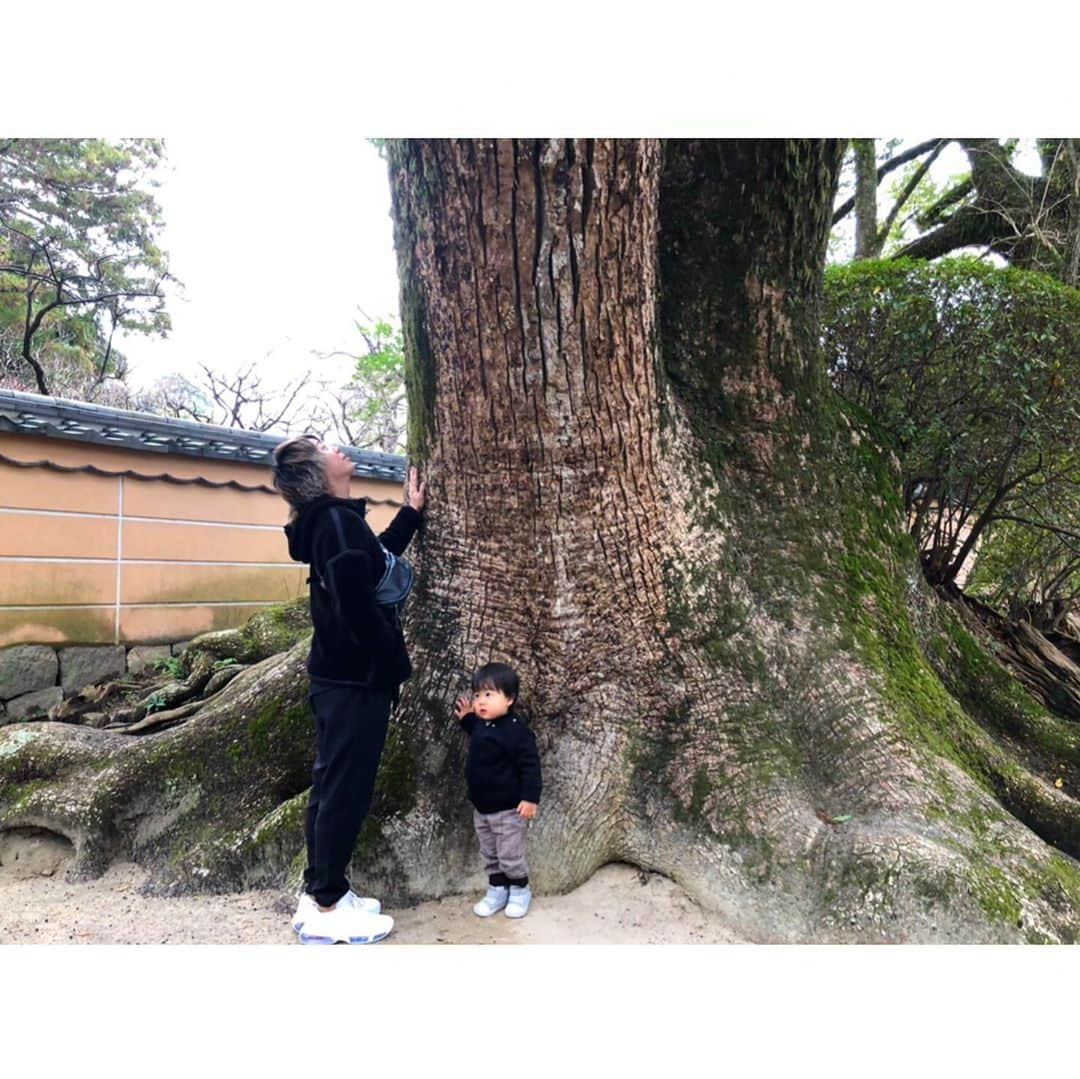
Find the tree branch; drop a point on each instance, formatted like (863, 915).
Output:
(933, 213)
(966, 228)
(1041, 525)
(893, 163)
(907, 192)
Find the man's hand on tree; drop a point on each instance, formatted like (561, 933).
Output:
(417, 495)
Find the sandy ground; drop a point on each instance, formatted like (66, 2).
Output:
(618, 905)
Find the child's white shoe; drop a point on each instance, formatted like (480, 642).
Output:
(517, 905)
(494, 900)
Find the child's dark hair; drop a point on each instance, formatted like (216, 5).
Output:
(497, 676)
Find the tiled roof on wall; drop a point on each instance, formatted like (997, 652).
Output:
(32, 414)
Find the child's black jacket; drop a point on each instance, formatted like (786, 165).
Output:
(356, 642)
(503, 767)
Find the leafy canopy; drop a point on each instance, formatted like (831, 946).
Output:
(79, 256)
(974, 374)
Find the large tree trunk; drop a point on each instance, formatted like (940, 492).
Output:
(659, 514)
(645, 496)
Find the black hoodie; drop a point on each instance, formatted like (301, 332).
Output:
(356, 642)
(503, 767)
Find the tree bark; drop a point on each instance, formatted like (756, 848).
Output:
(1070, 163)
(644, 495)
(866, 227)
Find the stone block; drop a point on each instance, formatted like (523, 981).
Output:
(143, 655)
(82, 665)
(33, 704)
(26, 668)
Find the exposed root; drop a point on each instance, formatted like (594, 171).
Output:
(158, 720)
(1048, 667)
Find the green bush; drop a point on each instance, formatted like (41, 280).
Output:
(973, 372)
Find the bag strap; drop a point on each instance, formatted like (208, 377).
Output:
(336, 518)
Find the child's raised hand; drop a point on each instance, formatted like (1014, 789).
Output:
(463, 707)
(527, 809)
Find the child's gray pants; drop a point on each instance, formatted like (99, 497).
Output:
(502, 842)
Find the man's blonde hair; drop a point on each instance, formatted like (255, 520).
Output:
(299, 470)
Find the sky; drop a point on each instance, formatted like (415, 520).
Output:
(278, 245)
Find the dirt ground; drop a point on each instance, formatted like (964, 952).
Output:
(618, 905)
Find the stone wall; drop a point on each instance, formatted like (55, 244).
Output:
(35, 677)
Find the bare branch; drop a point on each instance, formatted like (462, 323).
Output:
(893, 163)
(934, 213)
(908, 190)
(1040, 525)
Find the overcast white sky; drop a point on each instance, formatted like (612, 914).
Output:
(277, 246)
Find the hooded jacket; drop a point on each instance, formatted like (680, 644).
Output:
(356, 641)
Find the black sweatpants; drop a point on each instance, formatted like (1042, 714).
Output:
(350, 731)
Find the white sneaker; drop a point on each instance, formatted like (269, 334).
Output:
(361, 902)
(345, 925)
(517, 905)
(307, 904)
(494, 900)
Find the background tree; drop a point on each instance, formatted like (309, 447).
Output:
(370, 411)
(645, 493)
(1031, 221)
(240, 398)
(994, 206)
(79, 258)
(366, 409)
(972, 373)
(870, 234)
(866, 165)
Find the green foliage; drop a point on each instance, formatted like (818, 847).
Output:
(973, 373)
(919, 206)
(1034, 573)
(171, 665)
(155, 702)
(376, 404)
(79, 258)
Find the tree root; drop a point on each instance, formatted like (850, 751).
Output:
(165, 797)
(158, 720)
(1045, 664)
(841, 829)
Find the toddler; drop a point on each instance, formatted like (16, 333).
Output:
(503, 777)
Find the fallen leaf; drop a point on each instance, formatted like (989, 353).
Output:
(1058, 782)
